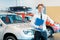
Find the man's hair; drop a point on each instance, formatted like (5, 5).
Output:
(40, 5)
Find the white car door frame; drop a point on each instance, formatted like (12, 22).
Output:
(2, 28)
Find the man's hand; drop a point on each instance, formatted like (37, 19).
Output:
(41, 27)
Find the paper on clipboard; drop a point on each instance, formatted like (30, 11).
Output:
(39, 22)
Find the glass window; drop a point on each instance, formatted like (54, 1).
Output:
(15, 18)
(6, 20)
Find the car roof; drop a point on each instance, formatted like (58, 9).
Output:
(7, 13)
(2, 14)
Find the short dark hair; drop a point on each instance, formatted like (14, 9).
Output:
(40, 5)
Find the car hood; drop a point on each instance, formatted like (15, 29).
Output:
(21, 25)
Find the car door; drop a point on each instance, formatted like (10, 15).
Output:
(2, 28)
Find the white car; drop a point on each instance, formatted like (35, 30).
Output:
(13, 28)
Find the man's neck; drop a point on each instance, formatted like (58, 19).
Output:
(39, 12)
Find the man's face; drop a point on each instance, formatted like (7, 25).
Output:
(40, 8)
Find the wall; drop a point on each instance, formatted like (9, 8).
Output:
(54, 12)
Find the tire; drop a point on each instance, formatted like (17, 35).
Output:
(49, 32)
(10, 38)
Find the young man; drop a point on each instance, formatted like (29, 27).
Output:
(42, 34)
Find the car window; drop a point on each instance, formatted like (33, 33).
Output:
(15, 18)
(18, 18)
(10, 19)
(6, 20)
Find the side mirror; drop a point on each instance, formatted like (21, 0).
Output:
(0, 24)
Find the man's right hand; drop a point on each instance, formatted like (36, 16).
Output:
(41, 27)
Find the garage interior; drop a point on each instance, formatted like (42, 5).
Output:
(52, 6)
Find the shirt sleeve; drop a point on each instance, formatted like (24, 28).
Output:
(33, 22)
(50, 20)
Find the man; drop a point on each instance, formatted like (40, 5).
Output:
(42, 34)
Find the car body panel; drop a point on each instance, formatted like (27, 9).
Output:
(16, 29)
(53, 26)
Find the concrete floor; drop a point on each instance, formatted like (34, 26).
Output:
(51, 38)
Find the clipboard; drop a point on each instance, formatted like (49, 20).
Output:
(39, 22)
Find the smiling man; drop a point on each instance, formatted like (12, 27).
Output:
(41, 34)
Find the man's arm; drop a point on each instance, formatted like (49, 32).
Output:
(50, 20)
(32, 23)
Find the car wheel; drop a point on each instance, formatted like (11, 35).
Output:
(49, 32)
(10, 38)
